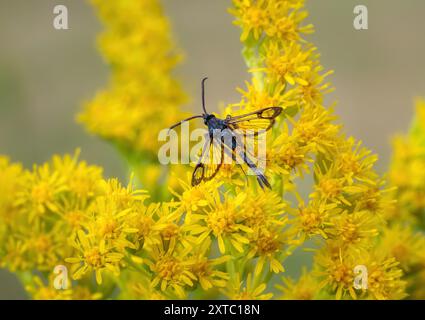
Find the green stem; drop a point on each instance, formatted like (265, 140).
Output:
(252, 59)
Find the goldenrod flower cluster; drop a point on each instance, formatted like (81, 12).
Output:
(142, 97)
(39, 211)
(404, 238)
(224, 238)
(344, 212)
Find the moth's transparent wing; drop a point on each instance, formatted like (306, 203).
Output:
(210, 161)
(212, 157)
(240, 153)
(256, 122)
(265, 113)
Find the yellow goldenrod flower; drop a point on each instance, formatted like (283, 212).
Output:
(407, 246)
(304, 289)
(252, 17)
(404, 237)
(288, 66)
(224, 220)
(10, 176)
(94, 257)
(357, 229)
(139, 49)
(137, 287)
(238, 290)
(80, 177)
(41, 191)
(172, 269)
(336, 267)
(192, 199)
(315, 219)
(205, 269)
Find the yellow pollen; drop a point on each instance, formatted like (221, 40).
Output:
(349, 231)
(93, 258)
(349, 163)
(170, 232)
(144, 226)
(255, 17)
(267, 245)
(310, 219)
(201, 268)
(290, 157)
(343, 274)
(221, 221)
(168, 268)
(108, 228)
(330, 187)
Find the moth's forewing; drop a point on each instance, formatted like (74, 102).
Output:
(209, 163)
(198, 174)
(262, 119)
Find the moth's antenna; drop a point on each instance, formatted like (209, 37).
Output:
(181, 122)
(203, 95)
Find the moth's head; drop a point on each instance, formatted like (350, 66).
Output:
(207, 118)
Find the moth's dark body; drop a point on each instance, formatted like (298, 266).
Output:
(227, 139)
(215, 124)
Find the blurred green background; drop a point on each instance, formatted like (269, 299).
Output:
(45, 74)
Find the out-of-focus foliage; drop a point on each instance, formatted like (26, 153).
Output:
(404, 238)
(142, 97)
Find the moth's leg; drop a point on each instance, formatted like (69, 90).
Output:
(262, 180)
(244, 173)
(249, 145)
